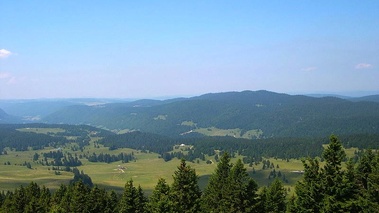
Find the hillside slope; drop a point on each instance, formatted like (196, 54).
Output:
(6, 118)
(372, 98)
(271, 113)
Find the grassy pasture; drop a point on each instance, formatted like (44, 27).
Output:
(213, 131)
(42, 130)
(189, 123)
(15, 174)
(145, 170)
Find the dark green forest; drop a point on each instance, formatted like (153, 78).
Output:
(11, 137)
(294, 127)
(327, 188)
(279, 147)
(277, 115)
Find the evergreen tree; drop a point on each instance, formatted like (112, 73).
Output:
(45, 199)
(33, 206)
(366, 167)
(38, 199)
(332, 175)
(373, 189)
(331, 189)
(368, 176)
(350, 191)
(262, 205)
(112, 202)
(217, 192)
(242, 189)
(230, 189)
(80, 176)
(141, 200)
(159, 201)
(132, 199)
(309, 190)
(79, 197)
(19, 201)
(291, 206)
(276, 197)
(97, 199)
(185, 192)
(57, 197)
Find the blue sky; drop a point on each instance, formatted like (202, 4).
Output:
(147, 49)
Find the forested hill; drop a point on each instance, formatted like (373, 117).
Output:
(372, 98)
(251, 114)
(6, 118)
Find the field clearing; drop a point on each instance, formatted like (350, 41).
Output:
(123, 131)
(213, 131)
(12, 176)
(350, 152)
(42, 130)
(189, 123)
(145, 170)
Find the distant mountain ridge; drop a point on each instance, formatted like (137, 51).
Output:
(371, 98)
(256, 113)
(43, 107)
(6, 118)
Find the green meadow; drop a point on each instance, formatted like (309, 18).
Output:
(145, 170)
(238, 133)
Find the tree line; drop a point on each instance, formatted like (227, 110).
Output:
(285, 147)
(11, 137)
(328, 188)
(107, 158)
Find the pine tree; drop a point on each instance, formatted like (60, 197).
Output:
(276, 197)
(332, 175)
(216, 192)
(230, 189)
(128, 197)
(366, 167)
(262, 205)
(112, 203)
(79, 197)
(331, 189)
(350, 192)
(44, 199)
(159, 201)
(57, 197)
(97, 199)
(141, 200)
(309, 190)
(19, 200)
(291, 206)
(132, 199)
(185, 192)
(33, 206)
(39, 199)
(242, 189)
(368, 175)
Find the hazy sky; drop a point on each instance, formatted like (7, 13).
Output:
(145, 49)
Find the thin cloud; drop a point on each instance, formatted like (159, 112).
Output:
(8, 78)
(12, 80)
(363, 66)
(5, 53)
(309, 69)
(5, 75)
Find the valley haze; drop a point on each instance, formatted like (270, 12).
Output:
(246, 114)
